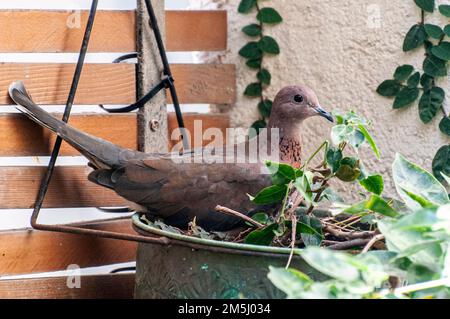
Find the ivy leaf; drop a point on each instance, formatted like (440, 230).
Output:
(349, 170)
(430, 103)
(426, 5)
(262, 237)
(426, 81)
(334, 157)
(251, 51)
(405, 97)
(257, 127)
(269, 15)
(270, 195)
(389, 88)
(261, 218)
(403, 72)
(265, 108)
(246, 5)
(253, 90)
(442, 51)
(434, 66)
(445, 10)
(264, 76)
(434, 31)
(414, 80)
(441, 163)
(370, 140)
(373, 184)
(269, 45)
(415, 37)
(254, 63)
(444, 126)
(284, 170)
(252, 30)
(447, 30)
(379, 205)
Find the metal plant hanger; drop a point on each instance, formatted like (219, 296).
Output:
(167, 82)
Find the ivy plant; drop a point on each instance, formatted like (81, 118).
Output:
(259, 46)
(409, 85)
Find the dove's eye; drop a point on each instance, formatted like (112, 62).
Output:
(298, 99)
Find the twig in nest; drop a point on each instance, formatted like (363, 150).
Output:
(372, 242)
(294, 235)
(230, 212)
(348, 235)
(350, 244)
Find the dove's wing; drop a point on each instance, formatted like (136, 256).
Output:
(180, 192)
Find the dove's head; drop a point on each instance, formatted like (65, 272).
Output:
(298, 103)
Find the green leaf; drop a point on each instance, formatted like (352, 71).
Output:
(265, 108)
(415, 37)
(444, 125)
(251, 51)
(261, 218)
(419, 199)
(426, 81)
(334, 157)
(341, 133)
(269, 15)
(264, 76)
(445, 10)
(334, 264)
(378, 205)
(434, 31)
(254, 63)
(246, 5)
(403, 72)
(257, 127)
(441, 162)
(447, 30)
(356, 139)
(284, 170)
(253, 90)
(370, 140)
(292, 282)
(310, 229)
(426, 5)
(389, 88)
(415, 180)
(373, 184)
(303, 185)
(269, 45)
(430, 103)
(252, 30)
(270, 195)
(434, 66)
(405, 97)
(414, 80)
(262, 237)
(442, 51)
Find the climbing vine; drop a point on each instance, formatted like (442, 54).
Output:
(408, 84)
(255, 50)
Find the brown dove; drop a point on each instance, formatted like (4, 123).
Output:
(173, 186)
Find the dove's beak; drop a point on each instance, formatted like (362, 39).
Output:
(324, 113)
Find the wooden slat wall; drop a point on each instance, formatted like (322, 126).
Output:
(114, 31)
(115, 83)
(25, 252)
(92, 287)
(21, 137)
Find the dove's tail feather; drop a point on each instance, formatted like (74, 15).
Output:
(101, 153)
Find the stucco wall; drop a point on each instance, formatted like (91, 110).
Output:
(342, 49)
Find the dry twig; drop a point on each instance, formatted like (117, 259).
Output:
(372, 242)
(350, 244)
(228, 211)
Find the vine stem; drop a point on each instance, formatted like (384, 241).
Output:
(416, 287)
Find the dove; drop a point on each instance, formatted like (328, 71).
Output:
(172, 186)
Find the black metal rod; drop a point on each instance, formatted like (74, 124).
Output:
(73, 89)
(167, 72)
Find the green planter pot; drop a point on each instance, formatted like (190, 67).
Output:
(192, 268)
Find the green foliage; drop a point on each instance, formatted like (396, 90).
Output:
(418, 249)
(405, 88)
(256, 50)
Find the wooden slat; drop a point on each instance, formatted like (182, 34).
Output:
(69, 188)
(92, 287)
(26, 252)
(21, 137)
(114, 31)
(115, 83)
(196, 30)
